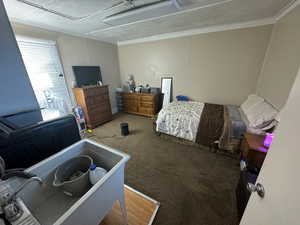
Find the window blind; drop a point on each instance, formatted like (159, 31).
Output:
(44, 70)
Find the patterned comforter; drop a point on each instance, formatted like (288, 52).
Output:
(180, 119)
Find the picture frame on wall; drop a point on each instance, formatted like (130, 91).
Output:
(166, 89)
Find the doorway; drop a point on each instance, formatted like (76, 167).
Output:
(46, 75)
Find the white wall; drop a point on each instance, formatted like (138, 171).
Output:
(280, 172)
(282, 60)
(16, 93)
(221, 67)
(80, 51)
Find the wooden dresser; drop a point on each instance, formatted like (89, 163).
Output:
(146, 104)
(95, 103)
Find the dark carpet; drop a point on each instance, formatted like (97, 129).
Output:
(193, 185)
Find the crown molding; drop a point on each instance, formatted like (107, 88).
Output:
(288, 8)
(191, 32)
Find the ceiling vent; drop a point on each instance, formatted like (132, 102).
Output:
(141, 13)
(138, 13)
(118, 12)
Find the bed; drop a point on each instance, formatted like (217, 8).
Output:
(212, 124)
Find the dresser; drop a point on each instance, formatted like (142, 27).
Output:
(146, 104)
(95, 103)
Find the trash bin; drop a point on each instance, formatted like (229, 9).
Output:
(124, 129)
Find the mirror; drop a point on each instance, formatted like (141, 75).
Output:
(166, 89)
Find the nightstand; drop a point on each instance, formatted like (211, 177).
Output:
(253, 149)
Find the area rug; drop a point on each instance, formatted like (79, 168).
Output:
(141, 209)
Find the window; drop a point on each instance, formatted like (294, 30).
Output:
(45, 72)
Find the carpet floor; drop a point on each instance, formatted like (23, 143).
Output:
(193, 185)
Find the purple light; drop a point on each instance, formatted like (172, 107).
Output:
(268, 139)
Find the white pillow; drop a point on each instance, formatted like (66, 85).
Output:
(261, 113)
(251, 101)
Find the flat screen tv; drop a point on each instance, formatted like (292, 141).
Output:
(87, 75)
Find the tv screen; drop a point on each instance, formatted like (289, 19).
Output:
(87, 75)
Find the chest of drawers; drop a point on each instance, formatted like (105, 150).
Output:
(146, 104)
(95, 103)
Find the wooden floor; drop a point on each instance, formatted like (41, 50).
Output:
(141, 210)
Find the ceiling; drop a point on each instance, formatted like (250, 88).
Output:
(96, 18)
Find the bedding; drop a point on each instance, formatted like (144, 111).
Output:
(211, 124)
(262, 128)
(180, 119)
(202, 123)
(237, 122)
(206, 123)
(250, 102)
(260, 114)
